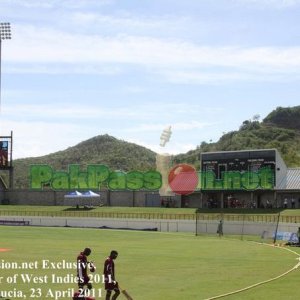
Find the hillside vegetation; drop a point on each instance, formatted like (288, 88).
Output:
(280, 130)
(103, 149)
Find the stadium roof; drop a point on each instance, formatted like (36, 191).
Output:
(292, 180)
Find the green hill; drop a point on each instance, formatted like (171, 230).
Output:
(280, 129)
(285, 117)
(103, 149)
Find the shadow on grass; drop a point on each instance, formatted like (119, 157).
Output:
(79, 209)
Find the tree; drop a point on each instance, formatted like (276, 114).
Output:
(256, 118)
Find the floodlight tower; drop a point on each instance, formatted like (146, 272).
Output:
(5, 141)
(5, 34)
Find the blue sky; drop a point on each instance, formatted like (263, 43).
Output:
(75, 69)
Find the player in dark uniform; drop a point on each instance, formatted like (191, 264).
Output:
(82, 276)
(109, 276)
(82, 267)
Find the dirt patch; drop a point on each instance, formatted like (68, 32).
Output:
(4, 249)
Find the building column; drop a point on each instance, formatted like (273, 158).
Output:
(11, 178)
(222, 199)
(133, 199)
(275, 200)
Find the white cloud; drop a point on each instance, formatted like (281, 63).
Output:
(177, 126)
(75, 111)
(171, 148)
(42, 128)
(277, 4)
(63, 68)
(65, 112)
(57, 3)
(198, 77)
(51, 51)
(39, 138)
(126, 20)
(134, 89)
(190, 125)
(50, 46)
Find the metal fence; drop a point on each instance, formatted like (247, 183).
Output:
(248, 217)
(160, 216)
(90, 214)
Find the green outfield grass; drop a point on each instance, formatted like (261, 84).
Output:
(162, 210)
(99, 209)
(152, 265)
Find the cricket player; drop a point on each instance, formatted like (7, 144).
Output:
(82, 268)
(109, 276)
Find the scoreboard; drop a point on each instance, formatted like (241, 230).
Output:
(4, 154)
(242, 161)
(6, 163)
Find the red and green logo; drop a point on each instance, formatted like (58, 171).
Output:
(183, 179)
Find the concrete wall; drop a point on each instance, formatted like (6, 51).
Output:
(280, 171)
(137, 224)
(26, 197)
(49, 197)
(122, 198)
(138, 198)
(204, 227)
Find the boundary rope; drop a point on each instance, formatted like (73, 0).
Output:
(262, 282)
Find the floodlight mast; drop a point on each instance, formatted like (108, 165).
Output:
(5, 34)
